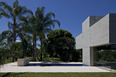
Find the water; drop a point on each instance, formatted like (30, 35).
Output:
(37, 64)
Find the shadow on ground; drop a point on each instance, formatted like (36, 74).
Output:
(11, 75)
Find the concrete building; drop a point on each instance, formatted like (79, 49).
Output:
(96, 31)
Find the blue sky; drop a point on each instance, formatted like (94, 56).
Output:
(70, 13)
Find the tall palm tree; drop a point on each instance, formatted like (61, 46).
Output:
(13, 13)
(29, 27)
(46, 22)
(37, 25)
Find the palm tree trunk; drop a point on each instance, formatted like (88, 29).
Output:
(34, 46)
(14, 35)
(41, 50)
(14, 30)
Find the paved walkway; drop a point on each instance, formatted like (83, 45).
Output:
(12, 67)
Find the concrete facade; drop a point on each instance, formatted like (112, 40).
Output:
(96, 31)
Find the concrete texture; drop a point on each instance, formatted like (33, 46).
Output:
(23, 62)
(96, 31)
(12, 67)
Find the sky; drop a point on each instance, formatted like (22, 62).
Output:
(70, 13)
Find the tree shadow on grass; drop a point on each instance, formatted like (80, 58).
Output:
(11, 75)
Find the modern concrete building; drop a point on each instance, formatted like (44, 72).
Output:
(96, 31)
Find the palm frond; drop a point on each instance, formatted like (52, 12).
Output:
(23, 19)
(2, 10)
(6, 34)
(23, 11)
(50, 14)
(56, 21)
(5, 6)
(4, 14)
(15, 3)
(27, 12)
(40, 12)
(37, 11)
(31, 19)
(8, 8)
(48, 23)
(10, 25)
(42, 9)
(48, 17)
(47, 30)
(2, 3)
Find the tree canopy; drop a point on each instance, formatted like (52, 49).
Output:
(60, 43)
(37, 25)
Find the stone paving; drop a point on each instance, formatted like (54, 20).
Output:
(12, 67)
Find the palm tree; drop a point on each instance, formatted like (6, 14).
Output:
(13, 13)
(4, 47)
(7, 35)
(29, 27)
(37, 25)
(46, 22)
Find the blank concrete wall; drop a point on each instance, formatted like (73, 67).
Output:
(100, 32)
(85, 25)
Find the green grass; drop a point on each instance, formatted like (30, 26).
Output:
(58, 74)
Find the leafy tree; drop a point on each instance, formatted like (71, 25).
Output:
(76, 55)
(13, 13)
(37, 25)
(105, 55)
(60, 43)
(6, 35)
(2, 52)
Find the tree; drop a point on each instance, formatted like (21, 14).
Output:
(2, 52)
(13, 13)
(76, 56)
(37, 25)
(46, 22)
(60, 43)
(7, 35)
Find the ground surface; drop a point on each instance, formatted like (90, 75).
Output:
(57, 74)
(12, 67)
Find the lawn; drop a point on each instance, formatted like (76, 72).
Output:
(58, 74)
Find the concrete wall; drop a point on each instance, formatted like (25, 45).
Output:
(85, 25)
(100, 32)
(83, 40)
(96, 31)
(95, 34)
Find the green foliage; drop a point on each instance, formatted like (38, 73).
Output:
(60, 43)
(76, 55)
(2, 57)
(52, 59)
(105, 55)
(14, 50)
(13, 13)
(4, 52)
(38, 25)
(27, 26)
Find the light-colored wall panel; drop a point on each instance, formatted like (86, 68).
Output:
(100, 32)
